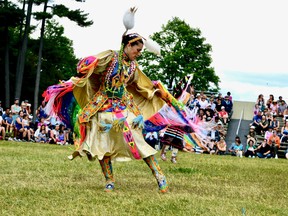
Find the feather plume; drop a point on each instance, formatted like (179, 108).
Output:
(152, 46)
(128, 18)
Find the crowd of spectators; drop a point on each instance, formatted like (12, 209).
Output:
(16, 125)
(215, 110)
(266, 124)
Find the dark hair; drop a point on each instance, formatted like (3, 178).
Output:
(129, 37)
(237, 137)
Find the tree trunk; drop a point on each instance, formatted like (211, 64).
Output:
(7, 69)
(38, 71)
(22, 54)
(6, 59)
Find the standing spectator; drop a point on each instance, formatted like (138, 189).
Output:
(15, 109)
(229, 96)
(274, 142)
(26, 107)
(236, 148)
(263, 150)
(270, 100)
(228, 104)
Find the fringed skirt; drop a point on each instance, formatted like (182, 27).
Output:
(113, 143)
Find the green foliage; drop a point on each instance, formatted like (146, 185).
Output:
(58, 59)
(10, 15)
(74, 15)
(183, 52)
(38, 179)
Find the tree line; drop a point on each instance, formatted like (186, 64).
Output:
(29, 65)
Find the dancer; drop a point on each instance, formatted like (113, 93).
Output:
(114, 98)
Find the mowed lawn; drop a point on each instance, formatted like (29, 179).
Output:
(38, 179)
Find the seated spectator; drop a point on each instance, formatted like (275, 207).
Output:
(274, 142)
(43, 135)
(20, 131)
(281, 108)
(213, 105)
(9, 124)
(285, 114)
(274, 108)
(236, 148)
(284, 137)
(228, 104)
(203, 102)
(223, 115)
(263, 150)
(69, 136)
(280, 100)
(260, 102)
(269, 132)
(1, 109)
(40, 135)
(218, 104)
(221, 147)
(275, 124)
(2, 128)
(250, 148)
(152, 138)
(270, 101)
(209, 113)
(263, 126)
(61, 140)
(251, 133)
(256, 122)
(54, 134)
(284, 128)
(256, 109)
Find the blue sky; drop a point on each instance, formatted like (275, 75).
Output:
(249, 38)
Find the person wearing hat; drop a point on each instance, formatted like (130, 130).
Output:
(223, 115)
(115, 96)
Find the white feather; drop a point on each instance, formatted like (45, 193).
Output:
(152, 46)
(128, 18)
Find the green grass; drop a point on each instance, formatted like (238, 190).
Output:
(38, 179)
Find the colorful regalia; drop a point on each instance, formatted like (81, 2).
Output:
(113, 104)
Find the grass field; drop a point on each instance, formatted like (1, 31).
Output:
(38, 179)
